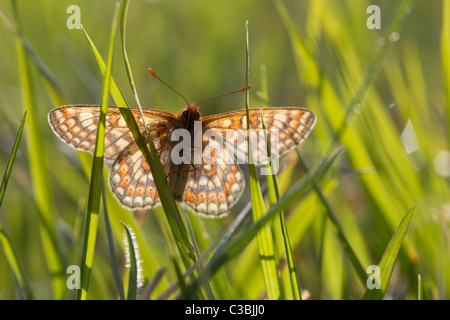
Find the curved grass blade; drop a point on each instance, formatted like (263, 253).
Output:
(11, 159)
(93, 206)
(234, 246)
(280, 227)
(389, 257)
(174, 219)
(264, 237)
(132, 264)
(151, 156)
(40, 179)
(10, 253)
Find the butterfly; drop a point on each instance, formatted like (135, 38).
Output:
(209, 188)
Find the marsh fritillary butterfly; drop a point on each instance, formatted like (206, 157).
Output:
(210, 188)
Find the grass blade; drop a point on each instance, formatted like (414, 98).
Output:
(167, 200)
(40, 178)
(281, 229)
(234, 246)
(10, 252)
(264, 237)
(337, 227)
(289, 279)
(389, 257)
(11, 159)
(93, 206)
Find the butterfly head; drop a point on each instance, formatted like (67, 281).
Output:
(188, 116)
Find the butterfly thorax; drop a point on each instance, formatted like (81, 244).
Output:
(185, 118)
(179, 173)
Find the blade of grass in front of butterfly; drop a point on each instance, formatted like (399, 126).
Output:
(167, 200)
(264, 237)
(124, 9)
(234, 246)
(40, 178)
(93, 206)
(10, 252)
(132, 264)
(291, 289)
(445, 54)
(389, 257)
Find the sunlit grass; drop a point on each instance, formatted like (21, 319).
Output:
(341, 215)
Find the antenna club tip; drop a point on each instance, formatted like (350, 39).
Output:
(153, 73)
(245, 88)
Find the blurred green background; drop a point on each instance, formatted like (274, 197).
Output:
(396, 140)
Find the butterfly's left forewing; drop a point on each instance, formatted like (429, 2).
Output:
(286, 128)
(77, 126)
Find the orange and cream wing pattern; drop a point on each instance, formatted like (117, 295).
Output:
(215, 186)
(286, 127)
(77, 126)
(131, 180)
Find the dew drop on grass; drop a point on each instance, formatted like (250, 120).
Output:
(394, 36)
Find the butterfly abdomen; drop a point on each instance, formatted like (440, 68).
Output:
(178, 178)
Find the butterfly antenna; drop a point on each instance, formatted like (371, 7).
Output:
(225, 94)
(153, 73)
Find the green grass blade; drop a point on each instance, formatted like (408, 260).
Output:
(445, 54)
(167, 200)
(180, 277)
(93, 206)
(132, 263)
(264, 237)
(389, 257)
(291, 287)
(40, 179)
(11, 159)
(337, 228)
(175, 217)
(234, 246)
(10, 252)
